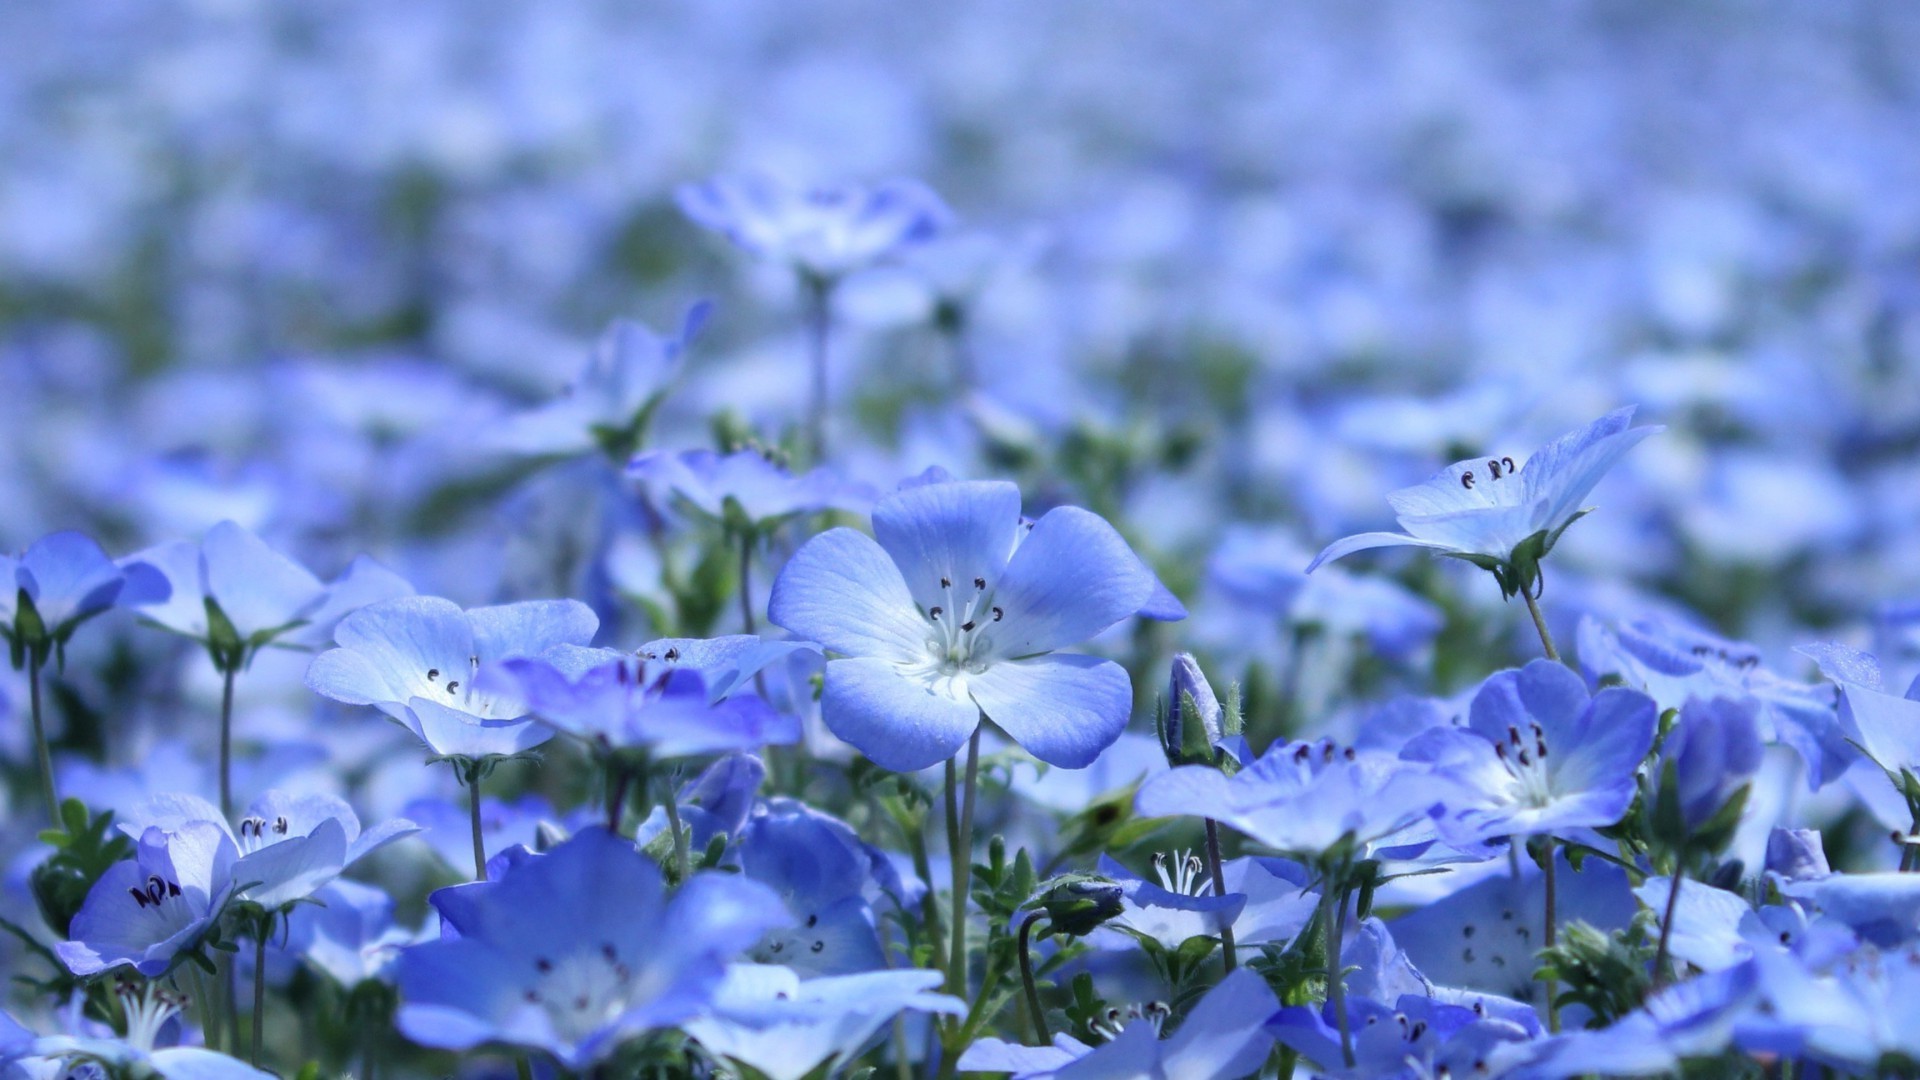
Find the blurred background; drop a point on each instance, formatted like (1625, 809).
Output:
(1242, 268)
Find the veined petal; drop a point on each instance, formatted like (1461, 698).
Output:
(1064, 709)
(530, 627)
(1190, 790)
(1072, 578)
(452, 732)
(901, 723)
(293, 868)
(841, 590)
(954, 532)
(257, 587)
(1346, 546)
(391, 649)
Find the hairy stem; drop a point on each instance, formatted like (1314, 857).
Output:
(1220, 889)
(960, 850)
(1333, 906)
(1548, 867)
(1540, 624)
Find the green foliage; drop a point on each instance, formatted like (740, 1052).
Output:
(1606, 972)
(84, 847)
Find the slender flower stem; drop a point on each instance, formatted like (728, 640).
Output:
(1666, 929)
(1909, 851)
(1220, 889)
(671, 801)
(521, 1069)
(226, 740)
(1333, 908)
(40, 744)
(618, 777)
(472, 777)
(1041, 1036)
(259, 987)
(203, 1001)
(1547, 867)
(817, 297)
(746, 590)
(1540, 624)
(963, 873)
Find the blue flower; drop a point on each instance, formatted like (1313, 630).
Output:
(1499, 514)
(610, 404)
(290, 845)
(1413, 1038)
(1181, 906)
(1712, 753)
(349, 935)
(576, 951)
(144, 912)
(746, 487)
(1539, 756)
(62, 580)
(1888, 725)
(1673, 662)
(766, 1017)
(822, 232)
(955, 613)
(416, 659)
(151, 1016)
(231, 592)
(1304, 799)
(1693, 1019)
(1224, 1035)
(821, 872)
(621, 701)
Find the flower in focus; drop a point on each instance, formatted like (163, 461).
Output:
(576, 951)
(417, 659)
(953, 610)
(821, 872)
(1501, 515)
(145, 912)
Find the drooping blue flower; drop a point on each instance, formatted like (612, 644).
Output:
(1223, 1035)
(290, 845)
(231, 592)
(747, 487)
(1673, 662)
(577, 951)
(821, 871)
(62, 580)
(416, 659)
(1304, 799)
(715, 803)
(1539, 755)
(1503, 515)
(784, 1027)
(608, 407)
(1886, 725)
(349, 935)
(823, 232)
(1713, 751)
(145, 911)
(951, 615)
(658, 699)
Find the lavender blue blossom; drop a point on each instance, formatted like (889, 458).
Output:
(823, 232)
(144, 912)
(62, 580)
(785, 1027)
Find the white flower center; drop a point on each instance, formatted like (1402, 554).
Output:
(1525, 756)
(148, 1008)
(1184, 873)
(959, 639)
(582, 992)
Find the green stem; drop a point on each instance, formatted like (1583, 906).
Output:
(259, 987)
(472, 778)
(522, 1069)
(209, 1015)
(1540, 624)
(40, 744)
(1548, 866)
(746, 591)
(229, 969)
(680, 862)
(1041, 1036)
(618, 777)
(1333, 905)
(226, 741)
(1666, 928)
(960, 852)
(1220, 889)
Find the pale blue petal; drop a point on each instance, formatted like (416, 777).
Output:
(1072, 577)
(898, 722)
(841, 590)
(1064, 709)
(388, 650)
(450, 732)
(954, 532)
(1346, 546)
(530, 627)
(257, 588)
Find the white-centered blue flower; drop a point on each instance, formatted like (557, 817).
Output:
(1501, 514)
(823, 232)
(953, 610)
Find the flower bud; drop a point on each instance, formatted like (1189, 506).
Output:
(1796, 854)
(1707, 763)
(1193, 725)
(1075, 907)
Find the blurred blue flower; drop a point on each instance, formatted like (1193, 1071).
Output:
(231, 592)
(60, 581)
(1887, 726)
(349, 935)
(768, 1018)
(822, 232)
(1711, 754)
(1223, 1035)
(1693, 1019)
(954, 614)
(417, 660)
(747, 488)
(151, 1016)
(1413, 1038)
(611, 404)
(575, 952)
(145, 911)
(1491, 510)
(1539, 755)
